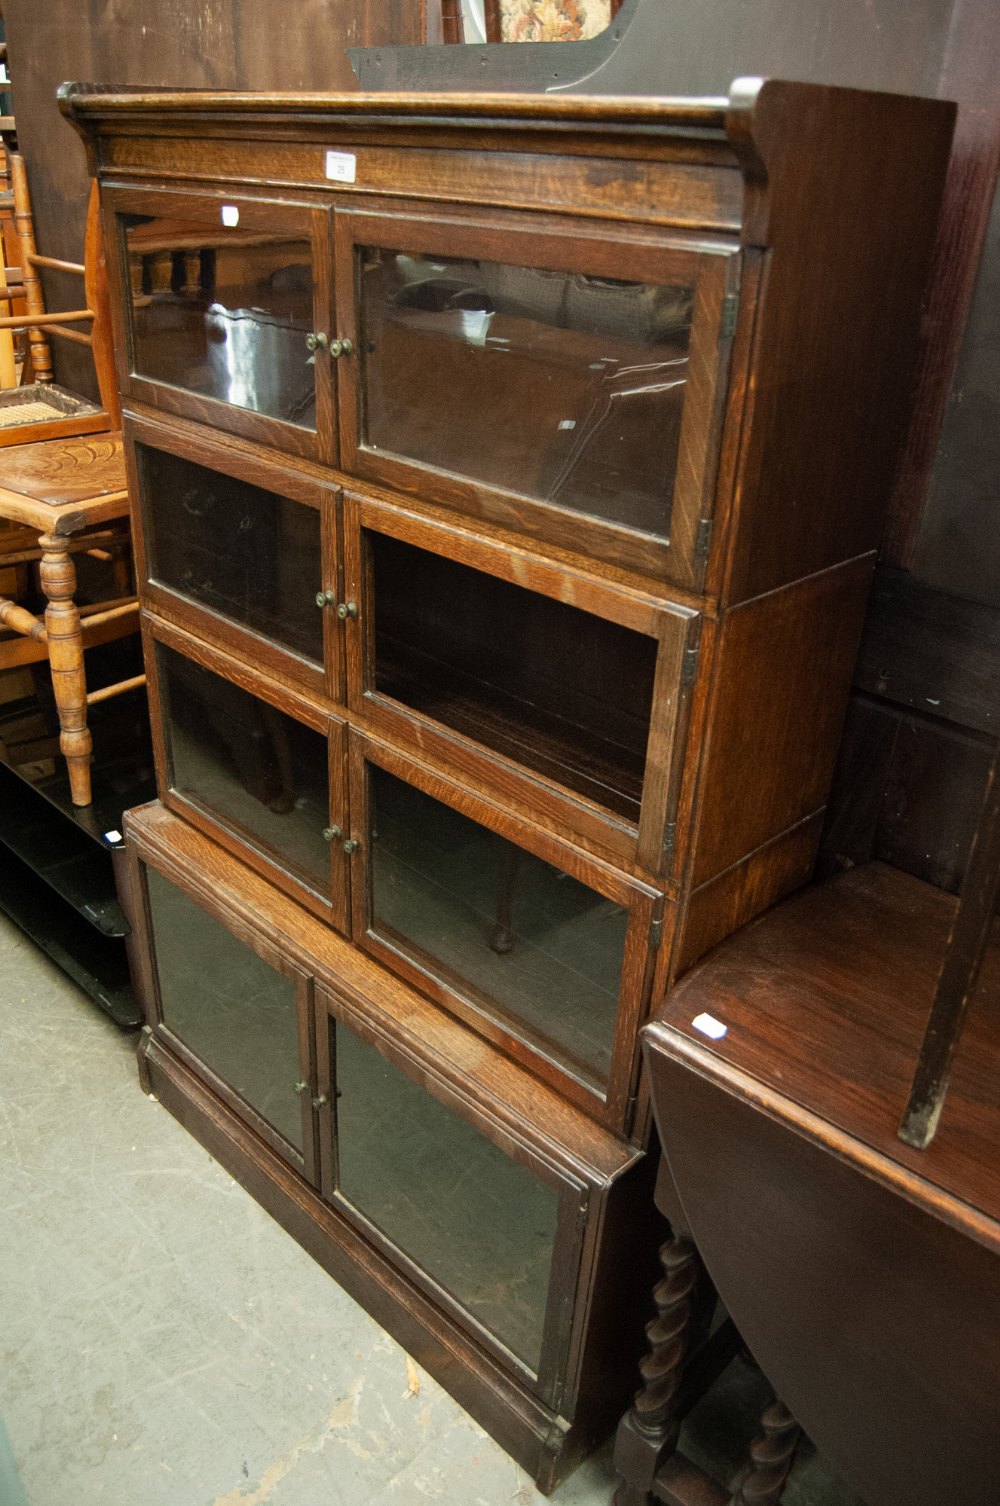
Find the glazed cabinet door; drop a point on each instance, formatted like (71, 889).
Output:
(223, 303)
(261, 770)
(477, 1217)
(569, 697)
(539, 374)
(544, 951)
(243, 553)
(237, 1011)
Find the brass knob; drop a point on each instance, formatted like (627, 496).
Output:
(319, 1102)
(331, 833)
(340, 348)
(347, 609)
(326, 598)
(300, 1088)
(351, 846)
(318, 341)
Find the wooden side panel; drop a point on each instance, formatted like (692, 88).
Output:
(733, 898)
(781, 681)
(837, 334)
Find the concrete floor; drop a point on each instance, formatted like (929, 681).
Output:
(164, 1343)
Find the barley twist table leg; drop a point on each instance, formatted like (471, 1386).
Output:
(771, 1458)
(647, 1434)
(69, 684)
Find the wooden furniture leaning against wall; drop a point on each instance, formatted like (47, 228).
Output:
(508, 473)
(63, 492)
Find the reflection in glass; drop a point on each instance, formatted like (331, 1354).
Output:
(565, 692)
(224, 313)
(476, 1221)
(248, 553)
(231, 1009)
(262, 774)
(566, 388)
(524, 942)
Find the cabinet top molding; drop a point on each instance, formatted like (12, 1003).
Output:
(777, 133)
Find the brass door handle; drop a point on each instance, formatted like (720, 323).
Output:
(316, 340)
(351, 846)
(331, 833)
(340, 348)
(347, 609)
(319, 1102)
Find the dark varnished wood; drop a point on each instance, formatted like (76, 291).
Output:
(747, 603)
(931, 652)
(860, 1281)
(767, 725)
(734, 786)
(827, 998)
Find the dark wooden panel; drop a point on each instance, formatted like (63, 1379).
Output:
(933, 797)
(931, 651)
(907, 790)
(777, 712)
(958, 547)
(916, 746)
(856, 1303)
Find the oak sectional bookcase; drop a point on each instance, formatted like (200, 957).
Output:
(507, 476)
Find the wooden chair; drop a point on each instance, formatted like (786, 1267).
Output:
(40, 408)
(62, 490)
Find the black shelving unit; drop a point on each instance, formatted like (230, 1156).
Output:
(57, 860)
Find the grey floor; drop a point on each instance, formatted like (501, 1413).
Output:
(164, 1343)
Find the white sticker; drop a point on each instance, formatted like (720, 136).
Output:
(567, 423)
(230, 215)
(342, 167)
(113, 837)
(710, 1026)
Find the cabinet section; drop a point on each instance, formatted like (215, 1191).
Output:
(237, 1012)
(224, 302)
(544, 951)
(547, 378)
(479, 1215)
(480, 1220)
(264, 772)
(569, 696)
(245, 554)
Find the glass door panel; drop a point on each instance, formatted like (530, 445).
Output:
(560, 386)
(516, 938)
(261, 774)
(229, 1008)
(558, 689)
(222, 308)
(251, 555)
(476, 1221)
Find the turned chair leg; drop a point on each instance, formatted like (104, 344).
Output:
(771, 1456)
(65, 641)
(502, 937)
(647, 1434)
